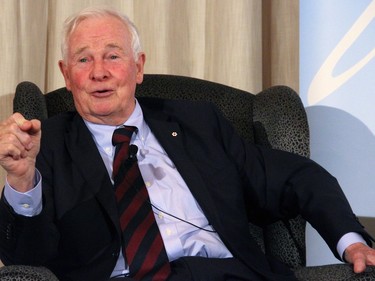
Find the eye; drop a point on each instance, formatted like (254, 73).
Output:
(82, 60)
(113, 57)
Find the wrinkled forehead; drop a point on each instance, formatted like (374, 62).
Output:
(94, 21)
(99, 32)
(98, 25)
(72, 23)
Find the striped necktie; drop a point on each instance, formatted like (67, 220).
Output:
(143, 246)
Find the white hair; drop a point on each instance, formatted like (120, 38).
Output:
(73, 21)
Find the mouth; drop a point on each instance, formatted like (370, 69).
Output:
(102, 92)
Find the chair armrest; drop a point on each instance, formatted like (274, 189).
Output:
(280, 121)
(24, 272)
(334, 272)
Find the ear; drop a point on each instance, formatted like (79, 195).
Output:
(140, 63)
(64, 71)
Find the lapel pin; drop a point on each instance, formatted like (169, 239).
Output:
(174, 134)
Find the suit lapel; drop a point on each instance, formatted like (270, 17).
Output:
(84, 152)
(170, 136)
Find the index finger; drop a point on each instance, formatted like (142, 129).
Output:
(31, 126)
(359, 265)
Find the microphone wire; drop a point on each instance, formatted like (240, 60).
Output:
(133, 149)
(182, 220)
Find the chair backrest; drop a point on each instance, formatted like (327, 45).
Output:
(274, 118)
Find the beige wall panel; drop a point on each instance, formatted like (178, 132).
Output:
(205, 39)
(6, 102)
(234, 43)
(172, 36)
(285, 43)
(23, 43)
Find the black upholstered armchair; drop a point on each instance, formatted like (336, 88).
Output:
(274, 118)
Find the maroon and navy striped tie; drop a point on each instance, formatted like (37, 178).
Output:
(143, 246)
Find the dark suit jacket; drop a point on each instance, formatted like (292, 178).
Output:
(77, 234)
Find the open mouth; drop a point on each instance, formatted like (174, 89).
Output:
(101, 93)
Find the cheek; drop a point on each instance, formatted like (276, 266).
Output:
(125, 72)
(78, 87)
(78, 80)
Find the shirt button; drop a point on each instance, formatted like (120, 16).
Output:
(168, 231)
(25, 205)
(148, 183)
(160, 215)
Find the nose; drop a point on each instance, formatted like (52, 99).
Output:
(99, 71)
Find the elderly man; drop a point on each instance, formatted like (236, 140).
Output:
(82, 200)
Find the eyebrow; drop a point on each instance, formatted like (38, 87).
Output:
(114, 46)
(108, 46)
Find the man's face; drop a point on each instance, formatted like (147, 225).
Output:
(101, 70)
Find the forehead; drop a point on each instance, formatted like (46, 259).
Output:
(98, 30)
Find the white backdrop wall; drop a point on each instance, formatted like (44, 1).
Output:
(337, 85)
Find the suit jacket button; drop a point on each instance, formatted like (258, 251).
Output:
(9, 232)
(115, 254)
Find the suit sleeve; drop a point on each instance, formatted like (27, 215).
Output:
(280, 185)
(28, 240)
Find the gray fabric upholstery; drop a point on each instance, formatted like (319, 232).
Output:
(335, 272)
(26, 273)
(274, 118)
(30, 101)
(280, 122)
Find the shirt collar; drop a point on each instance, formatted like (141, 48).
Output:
(102, 134)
